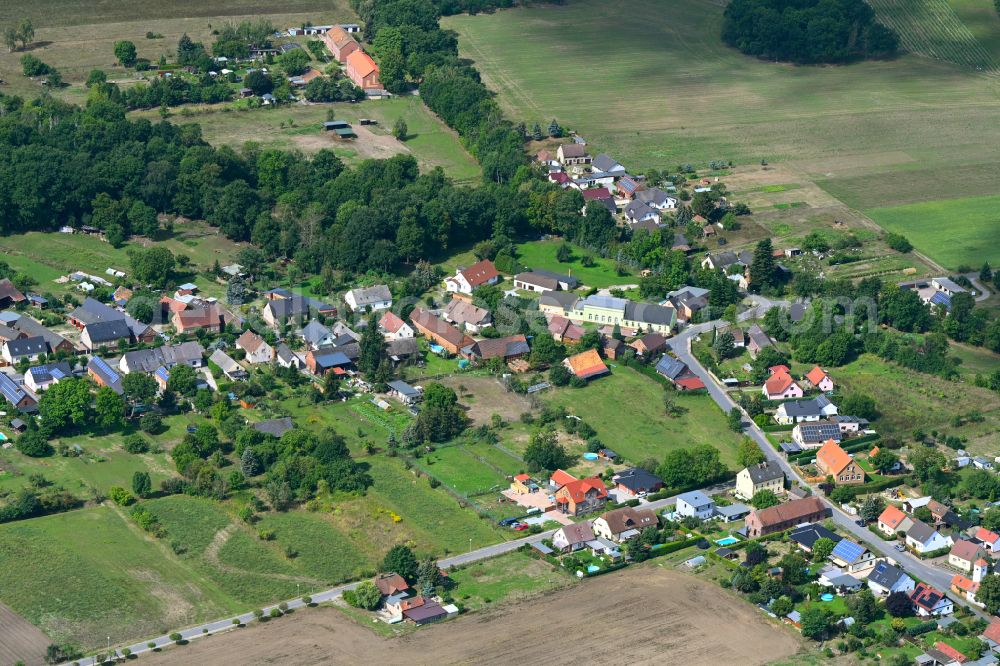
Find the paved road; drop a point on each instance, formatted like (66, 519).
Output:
(981, 289)
(226, 624)
(939, 578)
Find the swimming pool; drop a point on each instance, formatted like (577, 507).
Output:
(728, 541)
(3, 437)
(826, 597)
(591, 568)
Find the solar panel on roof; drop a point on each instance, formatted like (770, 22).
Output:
(848, 551)
(105, 368)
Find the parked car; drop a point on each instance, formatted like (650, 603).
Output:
(900, 547)
(508, 522)
(520, 527)
(860, 523)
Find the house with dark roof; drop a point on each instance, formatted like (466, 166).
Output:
(323, 361)
(94, 312)
(762, 476)
(564, 330)
(283, 309)
(167, 356)
(852, 557)
(22, 349)
(678, 373)
(806, 536)
(104, 375)
(275, 427)
(923, 538)
(107, 333)
(656, 199)
(649, 344)
(541, 281)
(887, 578)
(557, 302)
(814, 435)
(287, 358)
(638, 211)
(403, 392)
(19, 398)
(316, 335)
(9, 294)
(401, 349)
(757, 340)
(636, 481)
(507, 348)
(798, 411)
(607, 164)
(41, 377)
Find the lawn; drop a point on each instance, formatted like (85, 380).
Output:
(434, 517)
(505, 578)
(972, 223)
(85, 575)
(909, 400)
(689, 98)
(975, 360)
(643, 430)
(542, 255)
(459, 468)
(321, 550)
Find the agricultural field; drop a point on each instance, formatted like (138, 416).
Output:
(644, 430)
(909, 400)
(871, 134)
(971, 226)
(300, 127)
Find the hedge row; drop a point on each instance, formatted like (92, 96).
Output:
(875, 486)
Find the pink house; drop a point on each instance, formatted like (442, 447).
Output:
(781, 386)
(818, 378)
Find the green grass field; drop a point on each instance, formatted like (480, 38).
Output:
(661, 89)
(950, 231)
(643, 430)
(505, 578)
(909, 400)
(85, 575)
(542, 255)
(460, 469)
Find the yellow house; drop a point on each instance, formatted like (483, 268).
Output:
(755, 478)
(523, 485)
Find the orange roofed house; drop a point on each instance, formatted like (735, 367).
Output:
(831, 460)
(781, 386)
(362, 70)
(586, 365)
(340, 43)
(818, 378)
(581, 496)
(466, 280)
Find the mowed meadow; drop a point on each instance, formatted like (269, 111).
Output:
(656, 87)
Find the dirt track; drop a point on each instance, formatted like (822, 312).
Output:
(639, 616)
(20, 640)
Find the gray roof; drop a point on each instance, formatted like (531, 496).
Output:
(314, 333)
(402, 347)
(765, 471)
(886, 574)
(92, 311)
(605, 163)
(27, 347)
(10, 390)
(650, 313)
(50, 371)
(920, 531)
(148, 360)
(573, 150)
(403, 388)
(804, 408)
(109, 376)
(562, 299)
(949, 284)
(819, 431)
(569, 280)
(654, 196)
(637, 478)
(670, 367)
(226, 363)
(275, 427)
(807, 535)
(732, 511)
(608, 302)
(108, 330)
(368, 295)
(285, 353)
(637, 210)
(695, 498)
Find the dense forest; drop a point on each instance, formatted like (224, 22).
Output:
(807, 31)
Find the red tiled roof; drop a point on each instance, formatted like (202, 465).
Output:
(480, 273)
(391, 322)
(892, 516)
(794, 510)
(832, 458)
(249, 341)
(964, 584)
(578, 489)
(561, 478)
(778, 383)
(816, 375)
(390, 583)
(596, 193)
(690, 383)
(992, 632)
(440, 328)
(950, 652)
(926, 596)
(779, 368)
(559, 177)
(586, 364)
(986, 536)
(522, 477)
(361, 63)
(966, 550)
